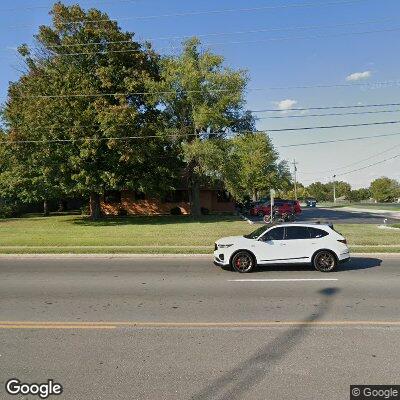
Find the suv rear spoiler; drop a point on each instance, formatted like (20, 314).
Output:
(328, 223)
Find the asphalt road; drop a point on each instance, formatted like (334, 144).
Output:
(340, 216)
(181, 328)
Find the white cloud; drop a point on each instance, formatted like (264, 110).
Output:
(286, 104)
(356, 76)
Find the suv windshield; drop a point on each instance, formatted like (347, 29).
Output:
(258, 232)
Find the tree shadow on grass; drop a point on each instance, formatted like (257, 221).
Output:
(154, 220)
(235, 383)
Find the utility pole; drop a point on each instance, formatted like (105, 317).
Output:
(334, 188)
(295, 178)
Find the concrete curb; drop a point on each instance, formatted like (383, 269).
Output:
(166, 256)
(110, 256)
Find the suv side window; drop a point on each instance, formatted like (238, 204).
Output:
(297, 232)
(274, 234)
(317, 233)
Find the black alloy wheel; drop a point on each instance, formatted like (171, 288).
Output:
(243, 262)
(324, 261)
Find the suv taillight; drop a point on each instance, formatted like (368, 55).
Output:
(344, 241)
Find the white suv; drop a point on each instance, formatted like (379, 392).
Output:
(317, 244)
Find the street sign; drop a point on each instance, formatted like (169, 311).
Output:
(272, 195)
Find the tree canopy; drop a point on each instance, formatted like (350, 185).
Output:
(385, 189)
(91, 97)
(203, 99)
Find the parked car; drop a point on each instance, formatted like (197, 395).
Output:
(282, 206)
(311, 202)
(296, 206)
(316, 244)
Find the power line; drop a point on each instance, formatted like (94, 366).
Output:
(211, 12)
(46, 7)
(327, 107)
(236, 42)
(331, 126)
(368, 166)
(185, 135)
(283, 38)
(305, 27)
(353, 163)
(91, 139)
(344, 85)
(338, 140)
(266, 130)
(329, 114)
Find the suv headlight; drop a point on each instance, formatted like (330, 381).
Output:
(224, 246)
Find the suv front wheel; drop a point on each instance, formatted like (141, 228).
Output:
(243, 262)
(324, 261)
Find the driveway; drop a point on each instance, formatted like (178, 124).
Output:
(342, 216)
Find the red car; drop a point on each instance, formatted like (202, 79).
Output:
(283, 206)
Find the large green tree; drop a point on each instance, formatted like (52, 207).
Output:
(320, 191)
(360, 194)
(385, 189)
(247, 164)
(200, 98)
(84, 83)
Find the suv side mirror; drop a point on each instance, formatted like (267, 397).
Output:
(265, 238)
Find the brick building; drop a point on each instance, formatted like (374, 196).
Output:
(136, 203)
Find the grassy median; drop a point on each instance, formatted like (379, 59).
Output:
(168, 234)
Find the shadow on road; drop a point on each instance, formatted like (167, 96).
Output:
(234, 383)
(354, 264)
(360, 263)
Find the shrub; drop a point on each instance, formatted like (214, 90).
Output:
(8, 210)
(85, 210)
(175, 211)
(205, 211)
(122, 212)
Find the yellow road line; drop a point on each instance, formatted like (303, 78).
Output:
(48, 326)
(159, 324)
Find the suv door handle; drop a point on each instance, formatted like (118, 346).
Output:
(283, 244)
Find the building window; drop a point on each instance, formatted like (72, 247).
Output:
(176, 196)
(223, 196)
(112, 196)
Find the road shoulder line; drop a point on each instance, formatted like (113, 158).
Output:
(149, 255)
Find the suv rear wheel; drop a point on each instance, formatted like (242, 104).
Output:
(324, 261)
(243, 262)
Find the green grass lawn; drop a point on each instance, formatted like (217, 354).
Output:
(166, 231)
(167, 234)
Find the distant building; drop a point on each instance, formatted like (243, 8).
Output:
(127, 202)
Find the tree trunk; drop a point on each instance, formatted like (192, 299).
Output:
(61, 205)
(95, 212)
(195, 208)
(45, 208)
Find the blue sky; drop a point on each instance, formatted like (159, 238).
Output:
(306, 57)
